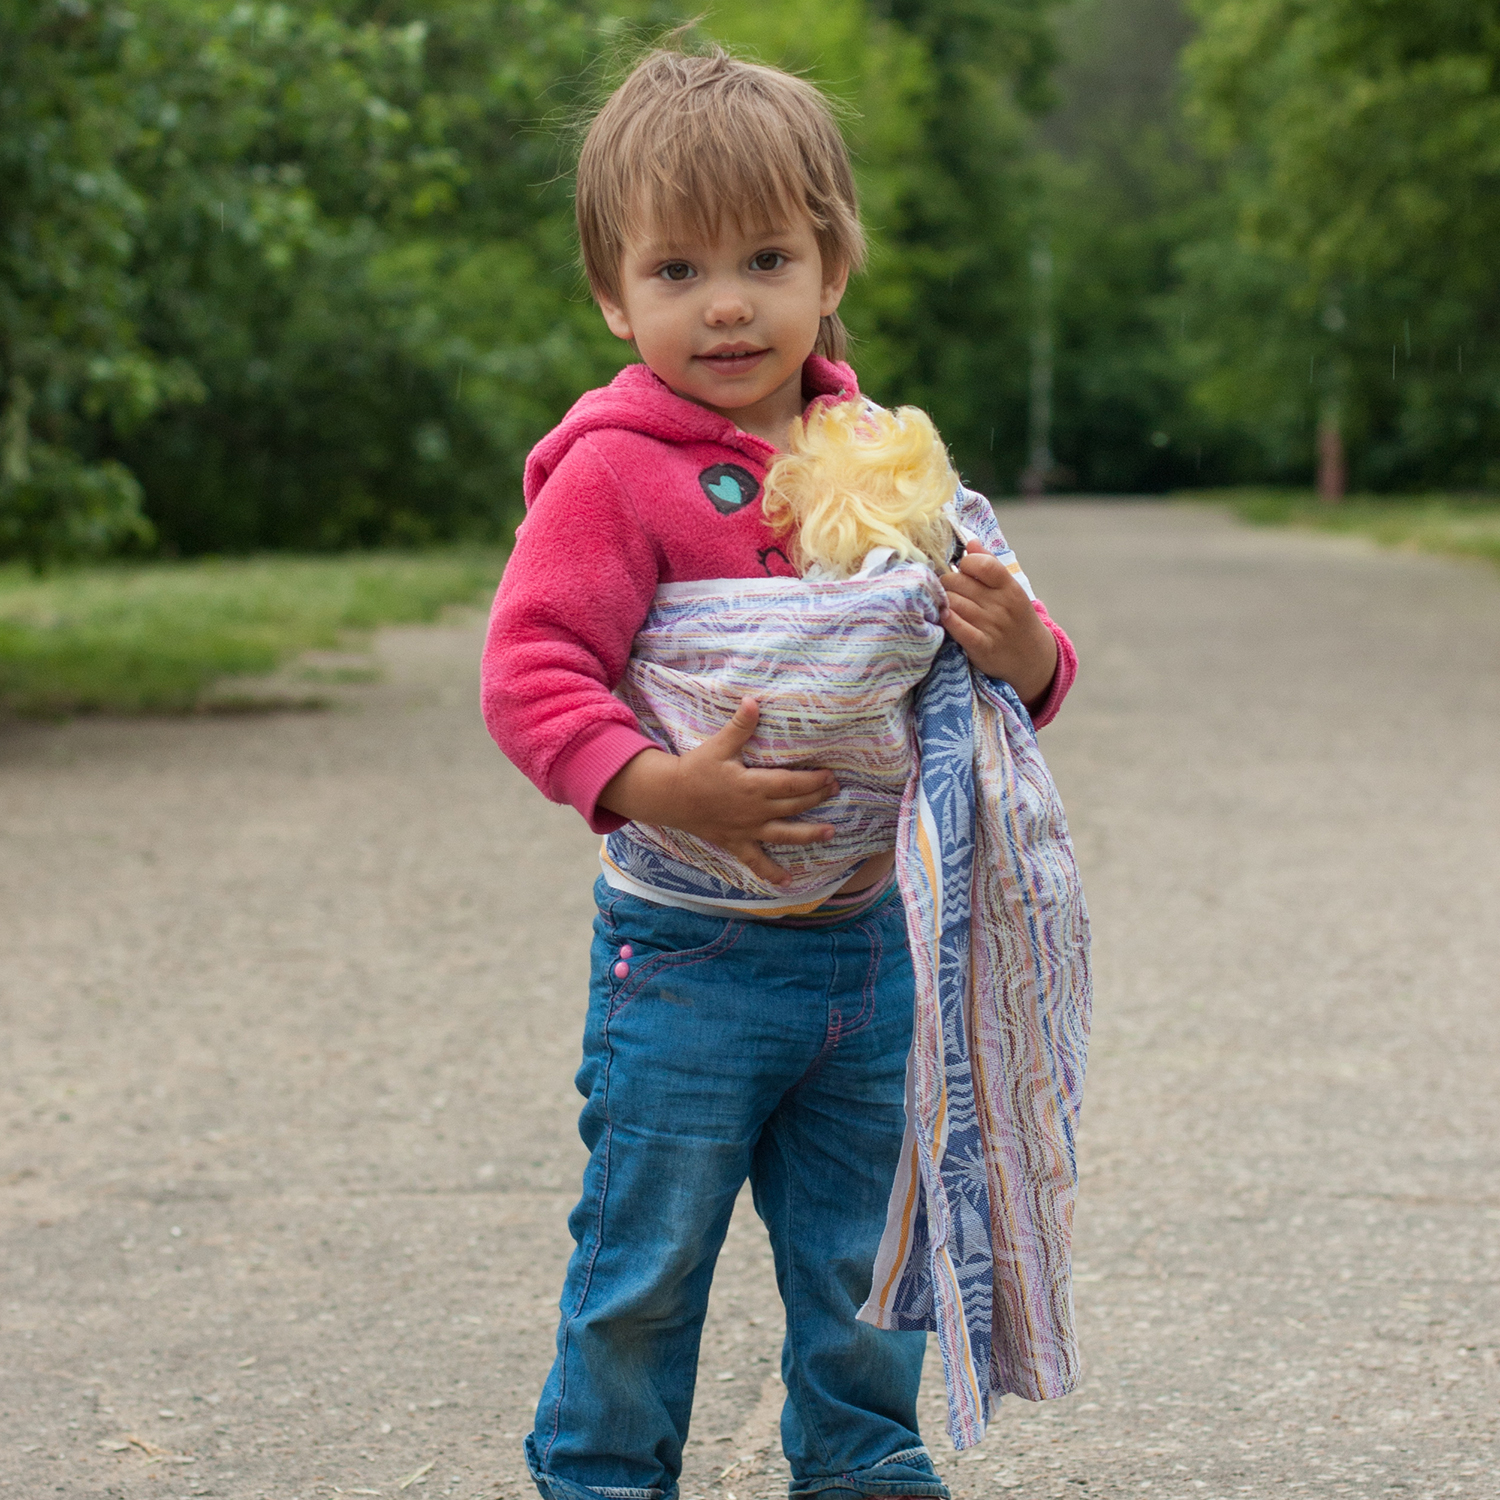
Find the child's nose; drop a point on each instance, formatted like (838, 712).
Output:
(728, 305)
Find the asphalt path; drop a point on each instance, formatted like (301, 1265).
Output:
(291, 1008)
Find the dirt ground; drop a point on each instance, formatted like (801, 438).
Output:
(291, 1007)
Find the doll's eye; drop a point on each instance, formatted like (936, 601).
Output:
(676, 270)
(768, 260)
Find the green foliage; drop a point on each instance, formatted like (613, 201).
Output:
(310, 277)
(276, 276)
(354, 248)
(1346, 261)
(128, 637)
(72, 364)
(298, 271)
(1121, 184)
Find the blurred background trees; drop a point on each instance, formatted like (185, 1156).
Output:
(1354, 147)
(276, 276)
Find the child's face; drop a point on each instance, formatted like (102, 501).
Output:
(726, 322)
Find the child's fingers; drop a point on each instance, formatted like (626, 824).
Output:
(779, 832)
(970, 637)
(780, 789)
(986, 569)
(733, 737)
(970, 611)
(988, 615)
(792, 807)
(728, 743)
(961, 586)
(756, 858)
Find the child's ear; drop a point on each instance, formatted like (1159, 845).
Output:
(833, 292)
(615, 318)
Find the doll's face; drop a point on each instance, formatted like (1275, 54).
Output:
(727, 322)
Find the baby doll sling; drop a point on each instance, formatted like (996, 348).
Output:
(979, 1230)
(977, 1244)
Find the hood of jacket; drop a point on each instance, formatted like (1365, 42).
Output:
(638, 401)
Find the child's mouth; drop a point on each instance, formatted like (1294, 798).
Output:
(732, 361)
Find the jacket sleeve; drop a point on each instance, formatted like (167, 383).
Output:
(1064, 673)
(575, 592)
(979, 516)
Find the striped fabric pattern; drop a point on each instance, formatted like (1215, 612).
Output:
(834, 666)
(857, 675)
(978, 1238)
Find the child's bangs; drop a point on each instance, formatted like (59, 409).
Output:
(697, 194)
(688, 146)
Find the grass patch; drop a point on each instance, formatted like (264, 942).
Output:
(1461, 526)
(154, 637)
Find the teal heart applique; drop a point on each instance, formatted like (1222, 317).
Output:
(729, 487)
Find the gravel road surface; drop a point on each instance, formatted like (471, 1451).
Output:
(291, 1007)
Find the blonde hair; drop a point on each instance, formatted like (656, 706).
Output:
(856, 477)
(687, 141)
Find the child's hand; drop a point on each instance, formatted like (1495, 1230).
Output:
(712, 793)
(990, 616)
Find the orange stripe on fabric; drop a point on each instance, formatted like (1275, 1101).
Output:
(907, 1211)
(967, 1351)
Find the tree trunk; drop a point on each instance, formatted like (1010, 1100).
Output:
(1333, 473)
(1039, 461)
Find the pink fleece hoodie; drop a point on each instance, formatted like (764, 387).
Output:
(636, 487)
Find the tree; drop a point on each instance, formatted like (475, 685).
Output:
(354, 243)
(275, 276)
(312, 278)
(1122, 189)
(72, 363)
(1345, 277)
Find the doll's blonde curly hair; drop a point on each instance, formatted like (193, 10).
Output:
(855, 477)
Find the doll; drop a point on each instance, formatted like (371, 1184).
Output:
(856, 477)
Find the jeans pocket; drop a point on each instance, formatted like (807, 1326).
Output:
(641, 941)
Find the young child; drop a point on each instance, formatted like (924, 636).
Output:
(719, 226)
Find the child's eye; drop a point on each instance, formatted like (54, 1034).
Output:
(768, 260)
(676, 270)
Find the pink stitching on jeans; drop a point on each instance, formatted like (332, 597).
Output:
(629, 988)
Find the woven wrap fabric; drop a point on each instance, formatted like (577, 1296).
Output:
(834, 666)
(857, 675)
(978, 1237)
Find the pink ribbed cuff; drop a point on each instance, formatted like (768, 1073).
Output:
(589, 764)
(1062, 676)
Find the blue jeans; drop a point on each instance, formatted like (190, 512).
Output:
(734, 1049)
